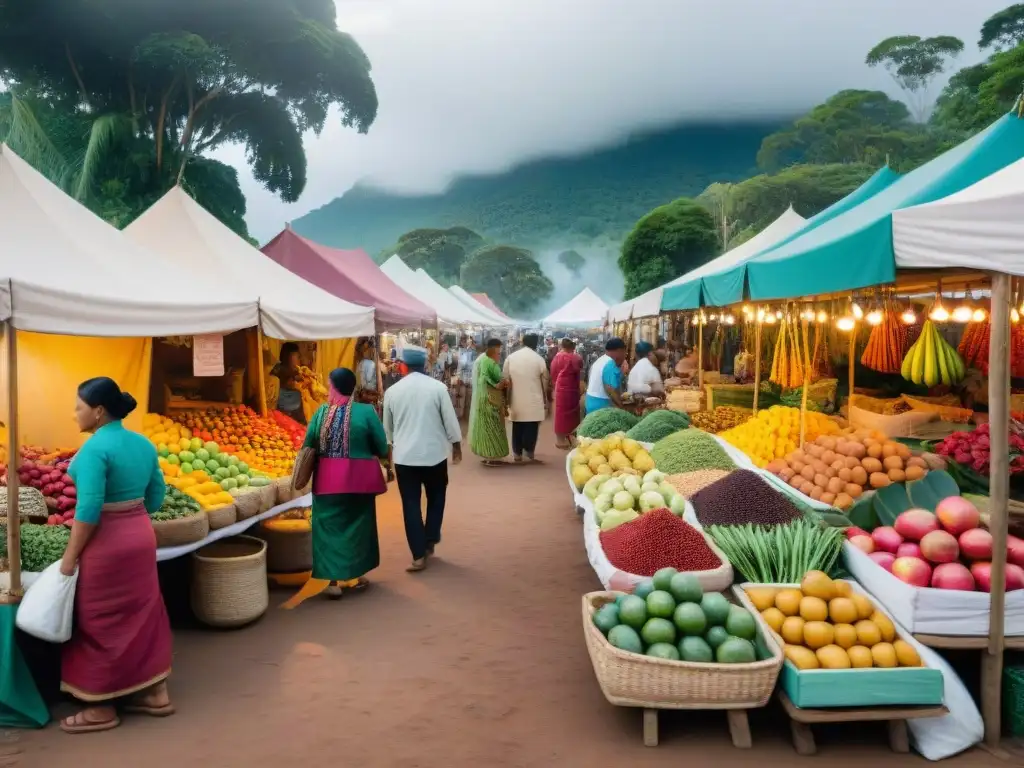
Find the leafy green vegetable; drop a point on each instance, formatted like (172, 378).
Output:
(41, 545)
(176, 505)
(606, 421)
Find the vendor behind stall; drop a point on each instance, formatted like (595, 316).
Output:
(645, 378)
(604, 385)
(289, 401)
(366, 372)
(687, 366)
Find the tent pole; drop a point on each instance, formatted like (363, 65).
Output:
(853, 364)
(700, 353)
(13, 455)
(260, 371)
(757, 362)
(999, 481)
(806, 384)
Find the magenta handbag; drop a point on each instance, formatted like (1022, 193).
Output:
(348, 475)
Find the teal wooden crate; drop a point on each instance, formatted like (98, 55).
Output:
(829, 688)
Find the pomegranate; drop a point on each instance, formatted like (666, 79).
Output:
(940, 547)
(915, 524)
(976, 544)
(886, 539)
(912, 571)
(953, 576)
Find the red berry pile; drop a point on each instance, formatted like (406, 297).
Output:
(658, 540)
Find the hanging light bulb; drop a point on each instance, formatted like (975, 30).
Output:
(846, 323)
(713, 318)
(1014, 315)
(979, 315)
(747, 310)
(875, 317)
(778, 314)
(760, 314)
(729, 319)
(770, 318)
(857, 310)
(909, 317)
(822, 316)
(939, 313)
(963, 312)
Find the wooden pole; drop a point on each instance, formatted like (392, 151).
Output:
(806, 384)
(999, 495)
(260, 371)
(853, 365)
(757, 362)
(700, 353)
(13, 456)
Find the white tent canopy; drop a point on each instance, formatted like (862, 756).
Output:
(187, 237)
(586, 309)
(495, 320)
(66, 271)
(649, 304)
(980, 227)
(450, 311)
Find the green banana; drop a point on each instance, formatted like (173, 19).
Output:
(931, 377)
(917, 367)
(908, 361)
(945, 373)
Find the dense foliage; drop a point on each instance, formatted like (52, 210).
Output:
(125, 98)
(441, 253)
(668, 241)
(510, 276)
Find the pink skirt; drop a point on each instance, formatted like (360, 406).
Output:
(121, 642)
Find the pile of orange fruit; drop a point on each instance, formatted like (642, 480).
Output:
(240, 431)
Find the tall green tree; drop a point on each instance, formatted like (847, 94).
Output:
(978, 95)
(572, 261)
(190, 76)
(666, 243)
(510, 276)
(1004, 29)
(914, 62)
(853, 126)
(441, 253)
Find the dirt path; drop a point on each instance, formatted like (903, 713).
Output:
(477, 661)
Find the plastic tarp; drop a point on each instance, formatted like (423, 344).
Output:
(981, 227)
(450, 310)
(352, 276)
(194, 241)
(855, 250)
(21, 706)
(484, 299)
(585, 309)
(496, 318)
(685, 291)
(725, 287)
(69, 272)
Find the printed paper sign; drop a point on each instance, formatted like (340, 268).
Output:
(208, 355)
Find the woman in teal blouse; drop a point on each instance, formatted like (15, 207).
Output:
(121, 643)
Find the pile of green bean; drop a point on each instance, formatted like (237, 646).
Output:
(779, 554)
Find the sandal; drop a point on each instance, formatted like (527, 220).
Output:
(361, 585)
(334, 592)
(80, 723)
(146, 704)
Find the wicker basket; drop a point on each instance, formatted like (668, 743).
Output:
(31, 504)
(284, 490)
(268, 497)
(222, 517)
(287, 551)
(247, 503)
(631, 680)
(229, 582)
(182, 530)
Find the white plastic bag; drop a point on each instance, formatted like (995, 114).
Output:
(48, 607)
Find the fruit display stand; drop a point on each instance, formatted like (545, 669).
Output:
(653, 684)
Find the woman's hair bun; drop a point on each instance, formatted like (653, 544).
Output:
(103, 391)
(129, 404)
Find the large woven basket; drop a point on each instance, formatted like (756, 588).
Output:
(631, 680)
(268, 497)
(182, 530)
(222, 517)
(284, 490)
(229, 582)
(247, 503)
(287, 551)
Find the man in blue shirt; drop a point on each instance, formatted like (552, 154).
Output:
(604, 385)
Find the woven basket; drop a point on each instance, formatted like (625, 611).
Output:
(182, 530)
(284, 490)
(31, 503)
(287, 551)
(247, 503)
(631, 680)
(268, 497)
(229, 582)
(222, 517)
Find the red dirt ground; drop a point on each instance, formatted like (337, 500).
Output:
(477, 661)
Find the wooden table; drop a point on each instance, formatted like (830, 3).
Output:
(739, 728)
(801, 720)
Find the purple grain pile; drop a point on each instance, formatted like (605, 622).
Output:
(742, 497)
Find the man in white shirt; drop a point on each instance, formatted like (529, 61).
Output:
(421, 427)
(527, 374)
(644, 377)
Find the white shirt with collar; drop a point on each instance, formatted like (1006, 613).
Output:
(420, 421)
(642, 376)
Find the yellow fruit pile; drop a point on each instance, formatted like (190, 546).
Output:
(614, 456)
(775, 432)
(826, 625)
(200, 487)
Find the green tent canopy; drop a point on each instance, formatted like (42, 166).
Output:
(725, 288)
(855, 249)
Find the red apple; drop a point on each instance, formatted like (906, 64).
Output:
(886, 539)
(957, 514)
(912, 571)
(953, 576)
(914, 524)
(940, 547)
(976, 544)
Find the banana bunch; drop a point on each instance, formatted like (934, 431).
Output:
(932, 361)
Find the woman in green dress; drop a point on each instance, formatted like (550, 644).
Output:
(350, 445)
(487, 437)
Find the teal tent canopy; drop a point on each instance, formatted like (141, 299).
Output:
(725, 288)
(855, 249)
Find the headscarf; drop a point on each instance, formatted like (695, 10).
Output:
(343, 384)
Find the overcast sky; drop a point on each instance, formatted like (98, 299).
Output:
(479, 85)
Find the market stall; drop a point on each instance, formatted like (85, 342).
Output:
(584, 310)
(498, 319)
(486, 300)
(450, 310)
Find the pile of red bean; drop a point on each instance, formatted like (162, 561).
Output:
(656, 540)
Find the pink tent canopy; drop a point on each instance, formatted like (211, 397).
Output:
(353, 276)
(484, 299)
